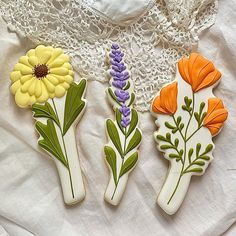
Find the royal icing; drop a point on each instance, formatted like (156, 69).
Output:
(188, 115)
(121, 154)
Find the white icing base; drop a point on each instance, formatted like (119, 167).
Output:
(112, 198)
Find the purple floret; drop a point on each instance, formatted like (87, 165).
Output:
(125, 121)
(122, 95)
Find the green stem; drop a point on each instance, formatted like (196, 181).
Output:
(122, 163)
(184, 137)
(194, 132)
(64, 146)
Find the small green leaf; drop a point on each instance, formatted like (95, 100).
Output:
(174, 130)
(181, 126)
(166, 147)
(73, 104)
(208, 148)
(168, 137)
(133, 122)
(118, 120)
(202, 105)
(127, 86)
(199, 163)
(45, 111)
(111, 160)
(190, 153)
(196, 170)
(196, 115)
(134, 141)
(184, 108)
(129, 164)
(186, 100)
(176, 142)
(114, 135)
(169, 126)
(178, 120)
(160, 137)
(198, 148)
(207, 158)
(181, 152)
(172, 155)
(49, 141)
(132, 98)
(112, 96)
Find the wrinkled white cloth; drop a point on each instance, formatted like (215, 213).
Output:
(31, 202)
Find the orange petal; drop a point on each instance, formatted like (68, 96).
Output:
(216, 115)
(183, 69)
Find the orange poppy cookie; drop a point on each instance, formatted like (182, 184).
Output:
(188, 115)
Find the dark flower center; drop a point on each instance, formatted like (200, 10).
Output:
(40, 71)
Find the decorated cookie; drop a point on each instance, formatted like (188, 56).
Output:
(188, 116)
(43, 81)
(121, 152)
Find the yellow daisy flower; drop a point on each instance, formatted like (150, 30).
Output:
(43, 73)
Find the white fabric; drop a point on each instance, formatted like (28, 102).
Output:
(31, 202)
(153, 42)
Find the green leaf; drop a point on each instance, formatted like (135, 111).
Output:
(111, 160)
(196, 115)
(45, 111)
(160, 137)
(208, 148)
(164, 147)
(127, 86)
(112, 96)
(179, 118)
(168, 137)
(198, 148)
(196, 170)
(176, 142)
(133, 122)
(134, 141)
(169, 126)
(129, 164)
(202, 105)
(207, 158)
(172, 155)
(50, 141)
(132, 98)
(174, 130)
(199, 163)
(118, 120)
(114, 135)
(190, 153)
(181, 126)
(73, 104)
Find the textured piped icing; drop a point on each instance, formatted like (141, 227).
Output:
(188, 115)
(43, 73)
(121, 154)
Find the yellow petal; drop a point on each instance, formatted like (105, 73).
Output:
(64, 57)
(25, 70)
(43, 59)
(68, 79)
(32, 100)
(15, 75)
(44, 97)
(38, 88)
(59, 71)
(59, 91)
(39, 50)
(33, 61)
(24, 60)
(55, 53)
(31, 88)
(22, 99)
(26, 85)
(52, 79)
(71, 73)
(24, 78)
(49, 86)
(67, 65)
(30, 53)
(65, 85)
(15, 86)
(61, 79)
(56, 63)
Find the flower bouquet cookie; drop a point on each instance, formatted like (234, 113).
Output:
(121, 152)
(188, 116)
(42, 80)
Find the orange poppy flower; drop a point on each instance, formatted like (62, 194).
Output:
(166, 102)
(198, 71)
(216, 115)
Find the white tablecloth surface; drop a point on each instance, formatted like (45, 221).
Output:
(30, 195)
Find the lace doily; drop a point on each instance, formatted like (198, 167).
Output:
(153, 43)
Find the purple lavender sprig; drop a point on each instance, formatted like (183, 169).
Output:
(120, 76)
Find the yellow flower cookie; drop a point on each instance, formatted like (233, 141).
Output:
(43, 73)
